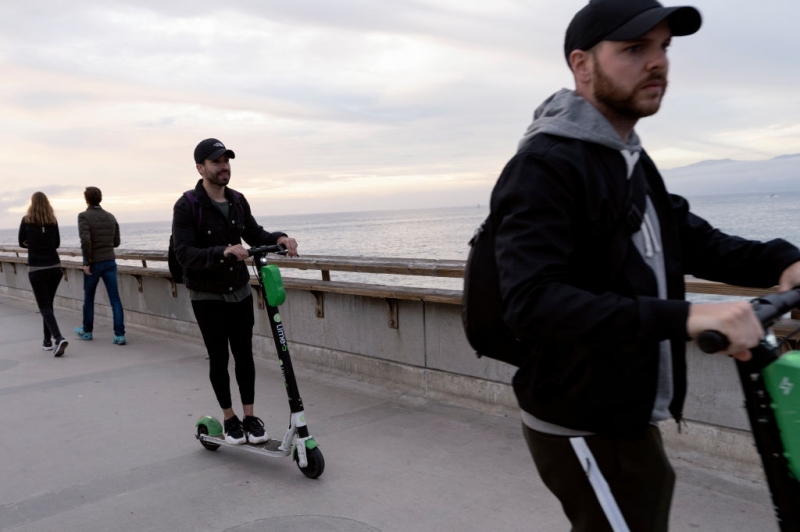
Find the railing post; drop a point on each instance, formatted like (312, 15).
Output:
(394, 313)
(320, 306)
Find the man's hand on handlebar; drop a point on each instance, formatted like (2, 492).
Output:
(290, 244)
(237, 251)
(736, 320)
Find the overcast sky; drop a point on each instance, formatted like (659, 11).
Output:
(345, 105)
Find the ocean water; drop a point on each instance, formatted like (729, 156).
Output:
(423, 233)
(443, 233)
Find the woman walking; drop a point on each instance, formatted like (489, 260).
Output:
(38, 232)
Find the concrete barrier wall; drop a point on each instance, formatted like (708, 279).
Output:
(426, 353)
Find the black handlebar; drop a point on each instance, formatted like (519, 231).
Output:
(767, 308)
(712, 341)
(263, 250)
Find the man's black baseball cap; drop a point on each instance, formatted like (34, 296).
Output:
(622, 20)
(211, 149)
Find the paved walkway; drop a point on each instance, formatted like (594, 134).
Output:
(102, 440)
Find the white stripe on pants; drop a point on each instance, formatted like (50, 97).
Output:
(599, 484)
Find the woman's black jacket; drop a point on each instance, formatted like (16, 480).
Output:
(42, 242)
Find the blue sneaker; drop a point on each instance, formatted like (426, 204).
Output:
(83, 335)
(119, 340)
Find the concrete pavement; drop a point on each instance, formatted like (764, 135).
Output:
(103, 440)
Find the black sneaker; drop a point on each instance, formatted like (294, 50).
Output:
(233, 431)
(47, 346)
(254, 430)
(61, 346)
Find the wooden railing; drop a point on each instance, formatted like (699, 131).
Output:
(373, 265)
(324, 263)
(377, 265)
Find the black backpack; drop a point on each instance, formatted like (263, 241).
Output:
(481, 306)
(175, 268)
(486, 331)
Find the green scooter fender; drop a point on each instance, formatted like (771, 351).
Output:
(213, 426)
(273, 285)
(782, 379)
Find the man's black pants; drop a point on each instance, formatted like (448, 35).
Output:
(223, 323)
(607, 484)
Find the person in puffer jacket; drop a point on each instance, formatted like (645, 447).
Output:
(99, 234)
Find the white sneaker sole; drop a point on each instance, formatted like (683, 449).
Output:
(257, 439)
(60, 348)
(235, 441)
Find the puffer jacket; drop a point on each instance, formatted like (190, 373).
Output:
(99, 234)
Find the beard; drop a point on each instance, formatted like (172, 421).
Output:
(632, 104)
(220, 178)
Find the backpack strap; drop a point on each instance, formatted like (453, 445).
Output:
(197, 212)
(630, 221)
(637, 201)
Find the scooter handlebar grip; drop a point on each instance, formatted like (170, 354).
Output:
(280, 249)
(712, 341)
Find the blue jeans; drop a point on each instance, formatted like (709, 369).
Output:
(106, 270)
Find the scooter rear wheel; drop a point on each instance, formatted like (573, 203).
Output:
(316, 463)
(203, 430)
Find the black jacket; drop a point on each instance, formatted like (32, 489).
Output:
(594, 333)
(199, 248)
(42, 243)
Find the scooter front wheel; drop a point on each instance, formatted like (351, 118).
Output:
(316, 463)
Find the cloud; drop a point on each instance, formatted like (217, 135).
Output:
(347, 102)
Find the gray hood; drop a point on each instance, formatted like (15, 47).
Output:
(565, 114)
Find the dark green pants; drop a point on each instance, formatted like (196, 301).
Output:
(607, 484)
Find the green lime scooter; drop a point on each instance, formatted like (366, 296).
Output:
(771, 386)
(297, 442)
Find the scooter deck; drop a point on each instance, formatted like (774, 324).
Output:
(270, 447)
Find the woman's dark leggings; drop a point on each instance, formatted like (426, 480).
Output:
(222, 323)
(44, 284)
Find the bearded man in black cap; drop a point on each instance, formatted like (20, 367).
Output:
(592, 252)
(208, 225)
